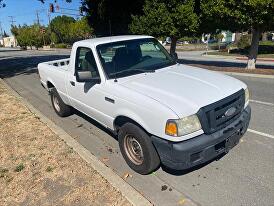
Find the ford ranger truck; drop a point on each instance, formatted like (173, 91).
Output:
(162, 111)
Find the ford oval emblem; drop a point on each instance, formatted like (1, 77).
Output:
(230, 111)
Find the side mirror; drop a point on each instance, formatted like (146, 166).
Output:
(174, 56)
(86, 76)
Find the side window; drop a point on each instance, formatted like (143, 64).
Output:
(150, 49)
(85, 61)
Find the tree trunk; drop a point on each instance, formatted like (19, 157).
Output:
(253, 52)
(237, 37)
(173, 45)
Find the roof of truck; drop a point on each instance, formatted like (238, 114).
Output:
(104, 40)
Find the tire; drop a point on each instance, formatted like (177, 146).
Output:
(130, 134)
(58, 105)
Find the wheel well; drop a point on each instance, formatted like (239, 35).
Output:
(121, 120)
(50, 85)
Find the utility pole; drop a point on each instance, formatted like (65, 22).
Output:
(12, 20)
(1, 30)
(37, 16)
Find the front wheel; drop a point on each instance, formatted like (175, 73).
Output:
(137, 149)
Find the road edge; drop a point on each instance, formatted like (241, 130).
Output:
(249, 75)
(132, 195)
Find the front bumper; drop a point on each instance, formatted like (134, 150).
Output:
(203, 148)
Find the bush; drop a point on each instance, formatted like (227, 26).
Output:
(60, 46)
(267, 43)
(266, 49)
(244, 42)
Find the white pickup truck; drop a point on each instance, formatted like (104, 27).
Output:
(162, 111)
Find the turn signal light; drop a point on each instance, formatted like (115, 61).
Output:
(171, 129)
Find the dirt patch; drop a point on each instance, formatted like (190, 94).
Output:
(236, 69)
(37, 168)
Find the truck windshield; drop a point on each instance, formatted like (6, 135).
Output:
(125, 58)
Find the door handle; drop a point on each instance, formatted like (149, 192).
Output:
(72, 83)
(110, 100)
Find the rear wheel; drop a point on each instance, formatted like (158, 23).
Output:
(59, 106)
(137, 149)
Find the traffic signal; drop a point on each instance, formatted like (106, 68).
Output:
(51, 8)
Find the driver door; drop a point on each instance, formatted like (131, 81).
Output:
(86, 96)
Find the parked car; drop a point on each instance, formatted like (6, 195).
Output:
(162, 111)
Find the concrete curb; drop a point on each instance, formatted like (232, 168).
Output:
(249, 75)
(134, 197)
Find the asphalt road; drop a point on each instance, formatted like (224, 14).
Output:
(245, 176)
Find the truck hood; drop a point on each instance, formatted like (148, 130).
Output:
(184, 89)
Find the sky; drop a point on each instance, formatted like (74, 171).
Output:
(24, 11)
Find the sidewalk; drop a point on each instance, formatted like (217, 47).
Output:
(37, 168)
(263, 59)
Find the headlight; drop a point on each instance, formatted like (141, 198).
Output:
(183, 126)
(246, 95)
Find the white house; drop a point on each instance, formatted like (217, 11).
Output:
(228, 36)
(9, 41)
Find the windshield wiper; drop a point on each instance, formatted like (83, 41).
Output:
(134, 70)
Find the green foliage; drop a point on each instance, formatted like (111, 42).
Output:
(166, 18)
(267, 43)
(240, 15)
(62, 31)
(60, 25)
(60, 46)
(80, 30)
(53, 38)
(28, 35)
(219, 37)
(244, 42)
(189, 39)
(67, 30)
(49, 169)
(19, 167)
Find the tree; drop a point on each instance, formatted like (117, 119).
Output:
(2, 4)
(241, 15)
(171, 18)
(109, 17)
(80, 30)
(60, 25)
(43, 1)
(219, 37)
(5, 34)
(28, 35)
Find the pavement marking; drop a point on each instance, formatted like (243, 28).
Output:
(261, 133)
(261, 102)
